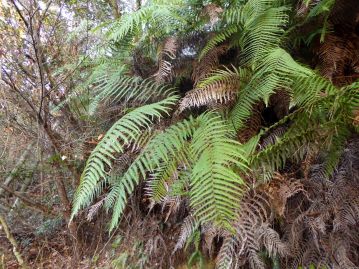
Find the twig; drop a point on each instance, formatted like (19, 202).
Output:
(39, 207)
(13, 242)
(17, 167)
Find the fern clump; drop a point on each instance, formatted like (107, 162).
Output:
(239, 74)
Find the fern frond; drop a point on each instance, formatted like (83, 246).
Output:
(208, 63)
(157, 151)
(215, 187)
(226, 255)
(263, 33)
(261, 26)
(221, 87)
(213, 11)
(270, 239)
(166, 54)
(218, 39)
(158, 186)
(188, 227)
(151, 15)
(276, 70)
(124, 88)
(123, 132)
(323, 6)
(209, 233)
(128, 22)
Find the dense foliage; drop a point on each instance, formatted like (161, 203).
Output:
(236, 121)
(236, 56)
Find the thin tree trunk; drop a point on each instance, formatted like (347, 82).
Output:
(15, 247)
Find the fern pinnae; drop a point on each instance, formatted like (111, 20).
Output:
(125, 130)
(158, 150)
(226, 255)
(129, 89)
(167, 174)
(219, 38)
(220, 86)
(189, 226)
(215, 153)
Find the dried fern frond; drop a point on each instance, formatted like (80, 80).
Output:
(245, 245)
(212, 11)
(341, 253)
(220, 87)
(209, 233)
(273, 137)
(226, 256)
(347, 215)
(188, 227)
(270, 239)
(94, 209)
(172, 205)
(338, 55)
(208, 63)
(280, 189)
(253, 124)
(280, 102)
(166, 54)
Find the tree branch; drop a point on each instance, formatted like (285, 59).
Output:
(10, 237)
(34, 205)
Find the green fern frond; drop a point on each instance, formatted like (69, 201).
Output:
(158, 185)
(276, 70)
(215, 187)
(124, 88)
(151, 15)
(123, 132)
(128, 22)
(218, 39)
(159, 150)
(304, 135)
(263, 33)
(261, 26)
(324, 6)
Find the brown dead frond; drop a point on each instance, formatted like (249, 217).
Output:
(226, 256)
(210, 92)
(339, 58)
(325, 232)
(344, 15)
(208, 63)
(281, 188)
(253, 124)
(210, 233)
(252, 233)
(167, 53)
(280, 102)
(212, 11)
(94, 209)
(189, 225)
